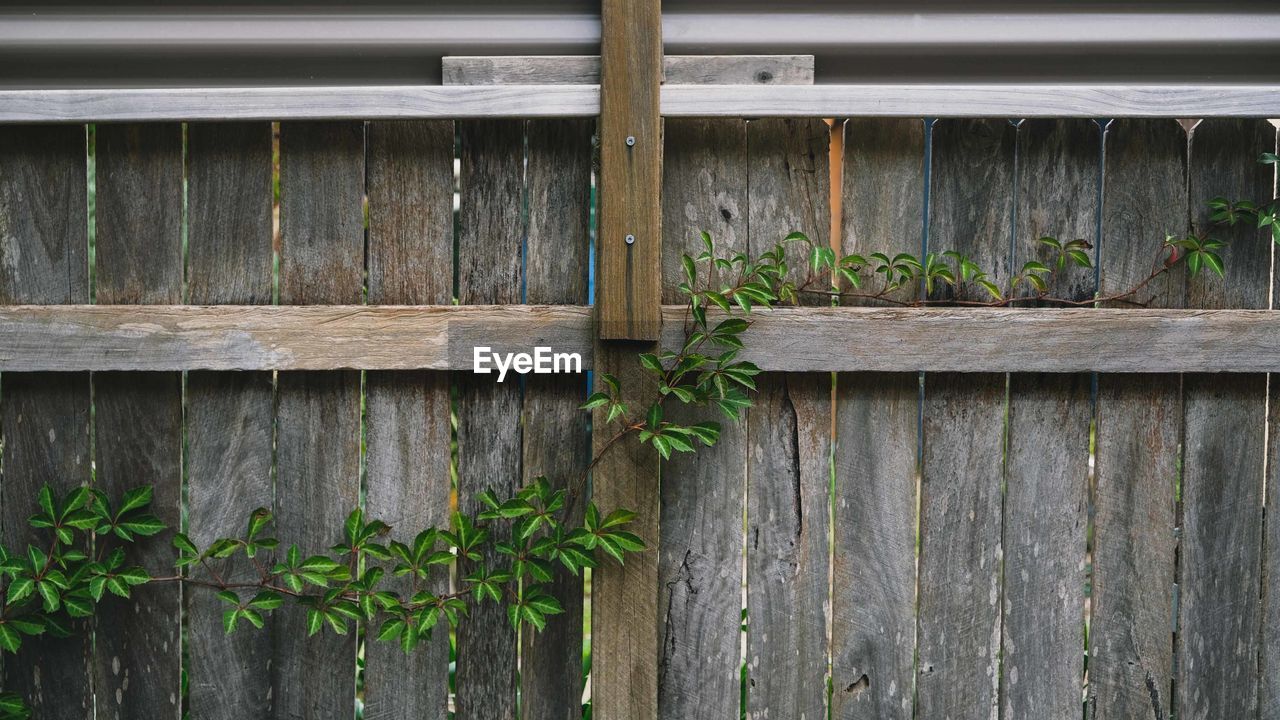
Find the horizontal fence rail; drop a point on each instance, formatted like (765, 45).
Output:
(694, 101)
(333, 337)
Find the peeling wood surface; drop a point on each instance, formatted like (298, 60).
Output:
(44, 417)
(585, 70)
(230, 417)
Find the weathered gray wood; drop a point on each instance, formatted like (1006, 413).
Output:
(44, 417)
(1139, 426)
(873, 626)
(585, 70)
(1047, 467)
(700, 564)
(789, 188)
(61, 338)
(497, 101)
(959, 591)
(489, 432)
(1269, 662)
(1225, 446)
(407, 484)
(557, 441)
(229, 416)
(317, 413)
(1044, 546)
(138, 417)
(788, 526)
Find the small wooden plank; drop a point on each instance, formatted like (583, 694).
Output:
(317, 413)
(1139, 426)
(585, 70)
(971, 211)
(628, 301)
(489, 266)
(624, 598)
(407, 485)
(229, 416)
(557, 440)
(700, 564)
(72, 338)
(873, 626)
(44, 417)
(1047, 467)
(790, 183)
(406, 102)
(138, 417)
(1224, 455)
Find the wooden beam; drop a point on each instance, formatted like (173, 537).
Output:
(585, 70)
(67, 338)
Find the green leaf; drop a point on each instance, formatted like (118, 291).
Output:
(266, 600)
(315, 621)
(9, 638)
(596, 400)
(229, 618)
(391, 629)
(20, 589)
(134, 499)
(49, 593)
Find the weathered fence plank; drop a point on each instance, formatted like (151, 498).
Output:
(409, 179)
(700, 569)
(1224, 447)
(138, 417)
(1139, 426)
(585, 70)
(789, 187)
(229, 416)
(1047, 467)
(557, 443)
(318, 413)
(873, 625)
(1269, 662)
(44, 417)
(489, 431)
(971, 212)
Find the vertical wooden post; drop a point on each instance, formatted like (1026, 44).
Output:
(630, 240)
(625, 598)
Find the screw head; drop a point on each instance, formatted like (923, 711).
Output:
(631, 239)
(631, 140)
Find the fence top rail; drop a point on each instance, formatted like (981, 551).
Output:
(808, 339)
(536, 101)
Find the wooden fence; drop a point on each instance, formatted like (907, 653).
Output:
(973, 544)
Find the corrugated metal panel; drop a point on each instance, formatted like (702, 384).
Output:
(197, 43)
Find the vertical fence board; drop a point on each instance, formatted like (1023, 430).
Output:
(1224, 450)
(489, 432)
(229, 415)
(317, 413)
(556, 440)
(705, 189)
(44, 417)
(873, 625)
(960, 520)
(1269, 672)
(1046, 495)
(138, 416)
(1138, 431)
(410, 257)
(788, 446)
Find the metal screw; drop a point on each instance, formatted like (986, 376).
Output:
(631, 239)
(631, 140)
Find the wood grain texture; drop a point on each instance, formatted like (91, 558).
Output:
(557, 440)
(138, 417)
(789, 188)
(409, 178)
(630, 280)
(1224, 455)
(585, 70)
(489, 431)
(788, 526)
(1139, 428)
(1269, 662)
(529, 101)
(68, 338)
(44, 417)
(873, 627)
(317, 413)
(229, 417)
(1045, 523)
(700, 565)
(1047, 463)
